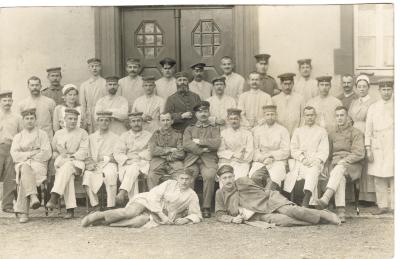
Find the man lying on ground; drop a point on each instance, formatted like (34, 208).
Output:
(172, 202)
(246, 200)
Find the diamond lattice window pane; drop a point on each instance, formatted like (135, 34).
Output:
(206, 38)
(149, 39)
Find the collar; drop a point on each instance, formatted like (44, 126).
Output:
(202, 125)
(167, 132)
(348, 95)
(136, 134)
(345, 127)
(183, 93)
(365, 98)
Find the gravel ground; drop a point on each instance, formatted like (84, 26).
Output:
(363, 237)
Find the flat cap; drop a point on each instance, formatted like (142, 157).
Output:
(202, 106)
(53, 69)
(269, 107)
(181, 74)
(30, 111)
(225, 169)
(386, 82)
(93, 60)
(148, 78)
(135, 114)
(133, 60)
(68, 87)
(112, 79)
(287, 76)
(167, 61)
(5, 93)
(324, 79)
(198, 66)
(304, 61)
(104, 114)
(262, 57)
(234, 111)
(71, 111)
(218, 79)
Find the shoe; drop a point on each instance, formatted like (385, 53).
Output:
(120, 199)
(23, 218)
(52, 203)
(381, 211)
(206, 213)
(35, 203)
(8, 210)
(341, 212)
(70, 214)
(321, 205)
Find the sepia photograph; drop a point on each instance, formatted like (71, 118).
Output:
(201, 130)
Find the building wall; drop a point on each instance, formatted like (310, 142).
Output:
(36, 38)
(289, 33)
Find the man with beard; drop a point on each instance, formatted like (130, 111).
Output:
(171, 203)
(198, 85)
(54, 91)
(220, 102)
(180, 105)
(150, 104)
(348, 94)
(201, 142)
(10, 125)
(133, 157)
(289, 105)
(306, 86)
(116, 104)
(44, 106)
(132, 84)
(166, 85)
(90, 92)
(246, 199)
(233, 81)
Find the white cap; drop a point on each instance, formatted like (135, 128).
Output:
(68, 87)
(362, 77)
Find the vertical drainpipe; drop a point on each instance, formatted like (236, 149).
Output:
(177, 16)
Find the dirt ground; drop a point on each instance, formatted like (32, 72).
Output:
(47, 237)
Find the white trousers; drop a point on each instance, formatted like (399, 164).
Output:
(337, 182)
(276, 170)
(128, 177)
(384, 188)
(64, 183)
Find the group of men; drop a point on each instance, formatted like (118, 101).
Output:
(264, 136)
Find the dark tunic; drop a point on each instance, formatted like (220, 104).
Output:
(54, 93)
(347, 100)
(177, 104)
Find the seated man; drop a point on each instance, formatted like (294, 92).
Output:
(245, 200)
(347, 152)
(70, 149)
(100, 164)
(172, 202)
(201, 142)
(309, 149)
(30, 151)
(166, 151)
(237, 145)
(271, 147)
(133, 156)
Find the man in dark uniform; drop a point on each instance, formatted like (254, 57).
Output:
(54, 91)
(201, 142)
(267, 82)
(180, 105)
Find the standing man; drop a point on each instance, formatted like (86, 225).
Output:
(309, 149)
(252, 101)
(116, 104)
(70, 149)
(325, 104)
(166, 85)
(347, 158)
(100, 166)
(201, 142)
(220, 102)
(198, 85)
(166, 151)
(10, 125)
(379, 142)
(267, 82)
(289, 104)
(237, 147)
(132, 154)
(150, 104)
(44, 106)
(348, 94)
(54, 91)
(271, 148)
(132, 84)
(180, 105)
(233, 81)
(306, 86)
(90, 92)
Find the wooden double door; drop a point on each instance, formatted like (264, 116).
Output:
(187, 34)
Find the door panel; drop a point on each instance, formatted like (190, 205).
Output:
(206, 36)
(150, 36)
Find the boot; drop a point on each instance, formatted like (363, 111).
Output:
(120, 198)
(323, 202)
(35, 203)
(52, 203)
(23, 218)
(70, 214)
(341, 212)
(306, 199)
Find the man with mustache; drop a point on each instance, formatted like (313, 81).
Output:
(54, 90)
(199, 85)
(10, 125)
(131, 151)
(44, 106)
(201, 142)
(166, 85)
(131, 85)
(180, 105)
(348, 94)
(116, 104)
(233, 81)
(305, 85)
